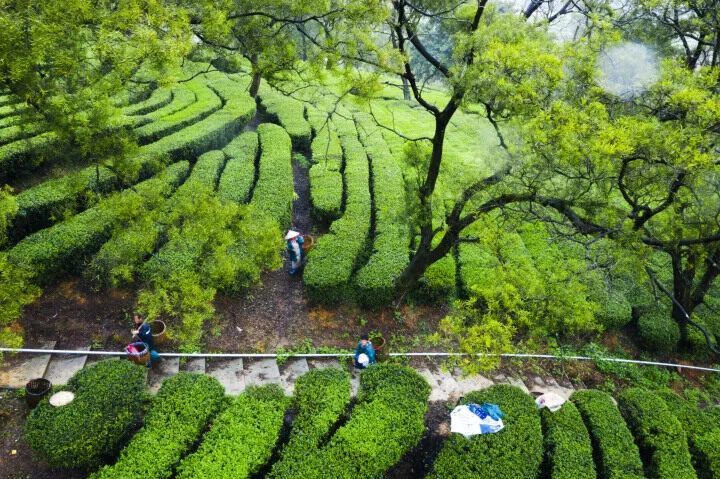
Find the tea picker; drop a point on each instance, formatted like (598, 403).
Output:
(364, 353)
(143, 342)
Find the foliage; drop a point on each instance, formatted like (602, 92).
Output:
(658, 332)
(702, 433)
(206, 102)
(515, 452)
(321, 397)
(567, 444)
(326, 180)
(238, 176)
(376, 280)
(63, 247)
(274, 190)
(289, 113)
(8, 211)
(389, 420)
(242, 437)
(184, 406)
(617, 455)
(334, 258)
(67, 60)
(663, 443)
(16, 292)
(91, 428)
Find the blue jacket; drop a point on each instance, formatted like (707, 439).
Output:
(145, 335)
(300, 241)
(368, 350)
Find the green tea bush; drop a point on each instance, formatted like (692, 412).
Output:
(274, 191)
(23, 154)
(159, 98)
(617, 455)
(8, 100)
(108, 397)
(242, 437)
(289, 112)
(658, 332)
(333, 259)
(514, 452)
(702, 430)
(41, 206)
(438, 283)
(19, 132)
(708, 450)
(239, 173)
(568, 449)
(375, 282)
(119, 259)
(182, 97)
(321, 398)
(13, 109)
(615, 310)
(662, 440)
(11, 120)
(387, 422)
(182, 409)
(326, 182)
(63, 248)
(206, 103)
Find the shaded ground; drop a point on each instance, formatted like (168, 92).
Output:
(16, 460)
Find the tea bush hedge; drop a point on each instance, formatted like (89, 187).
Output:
(617, 455)
(326, 182)
(182, 252)
(11, 120)
(239, 174)
(242, 437)
(207, 102)
(387, 422)
(662, 440)
(182, 409)
(41, 206)
(568, 449)
(703, 433)
(439, 281)
(118, 260)
(22, 154)
(321, 398)
(333, 259)
(658, 331)
(159, 98)
(274, 191)
(18, 132)
(182, 98)
(376, 280)
(13, 109)
(108, 398)
(515, 452)
(47, 200)
(289, 113)
(63, 247)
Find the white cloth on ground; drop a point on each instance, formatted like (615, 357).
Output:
(552, 401)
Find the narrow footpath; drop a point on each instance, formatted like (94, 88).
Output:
(278, 305)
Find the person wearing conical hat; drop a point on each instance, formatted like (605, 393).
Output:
(294, 246)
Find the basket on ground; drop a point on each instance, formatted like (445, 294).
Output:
(35, 390)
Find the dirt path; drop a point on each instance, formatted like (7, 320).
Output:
(278, 307)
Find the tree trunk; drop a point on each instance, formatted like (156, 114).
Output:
(255, 84)
(406, 89)
(682, 307)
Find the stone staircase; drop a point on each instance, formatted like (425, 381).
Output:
(238, 373)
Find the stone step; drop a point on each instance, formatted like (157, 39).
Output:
(261, 372)
(229, 372)
(290, 371)
(30, 366)
(468, 384)
(443, 386)
(62, 367)
(517, 382)
(195, 365)
(162, 370)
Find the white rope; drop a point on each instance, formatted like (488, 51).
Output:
(343, 355)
